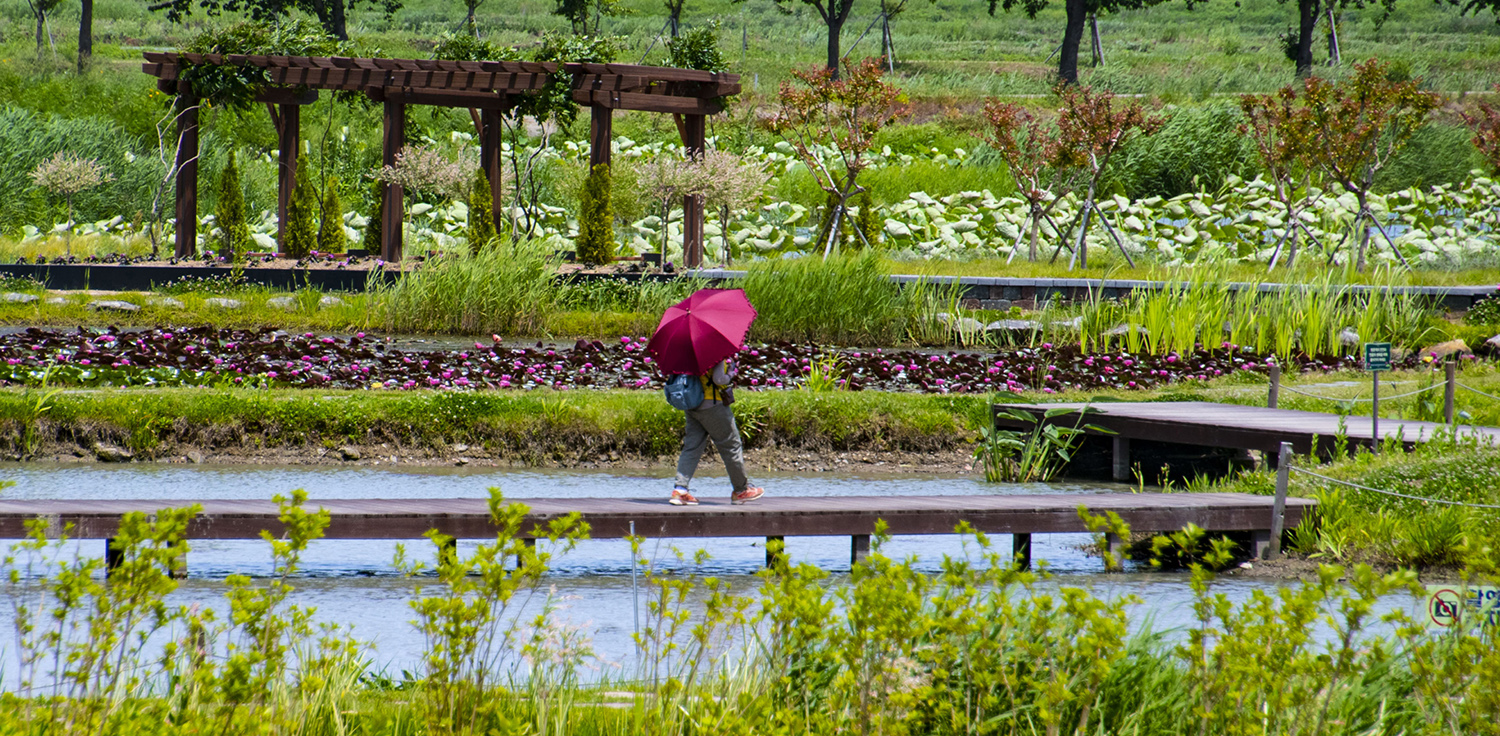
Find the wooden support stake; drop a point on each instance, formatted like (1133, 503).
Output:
(1278, 508)
(1020, 546)
(1450, 389)
(1273, 395)
(494, 165)
(394, 206)
(1122, 458)
(694, 138)
(775, 548)
(187, 172)
(859, 548)
(289, 136)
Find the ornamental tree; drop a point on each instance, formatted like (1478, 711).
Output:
(831, 124)
(1485, 122)
(301, 229)
(234, 230)
(1043, 169)
(1091, 131)
(1353, 127)
(331, 14)
(666, 179)
(67, 174)
(727, 183)
(331, 237)
(481, 229)
(596, 221)
(1273, 124)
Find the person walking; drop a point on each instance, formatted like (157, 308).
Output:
(694, 345)
(714, 419)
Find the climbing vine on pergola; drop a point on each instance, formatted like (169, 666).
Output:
(488, 88)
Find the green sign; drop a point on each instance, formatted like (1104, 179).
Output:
(1377, 356)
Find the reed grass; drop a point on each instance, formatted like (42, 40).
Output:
(506, 289)
(848, 299)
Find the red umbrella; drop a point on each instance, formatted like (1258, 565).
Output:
(701, 330)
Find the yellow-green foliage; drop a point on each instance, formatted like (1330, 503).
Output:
(301, 228)
(596, 222)
(331, 238)
(371, 238)
(481, 230)
(234, 231)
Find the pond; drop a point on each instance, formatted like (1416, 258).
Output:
(354, 582)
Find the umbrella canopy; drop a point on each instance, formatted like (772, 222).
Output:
(701, 330)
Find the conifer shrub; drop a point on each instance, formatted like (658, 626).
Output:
(596, 229)
(481, 229)
(301, 228)
(331, 238)
(234, 230)
(371, 239)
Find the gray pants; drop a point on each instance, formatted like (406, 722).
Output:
(715, 420)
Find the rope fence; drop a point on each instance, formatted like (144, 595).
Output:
(1365, 400)
(1409, 497)
(1477, 391)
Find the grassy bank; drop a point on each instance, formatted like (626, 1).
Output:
(537, 427)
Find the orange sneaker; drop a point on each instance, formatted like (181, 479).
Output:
(681, 497)
(747, 495)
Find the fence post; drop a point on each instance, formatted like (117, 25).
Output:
(1278, 509)
(1274, 394)
(1450, 387)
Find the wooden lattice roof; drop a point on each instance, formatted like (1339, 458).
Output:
(475, 83)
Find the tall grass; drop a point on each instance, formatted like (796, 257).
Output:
(847, 299)
(507, 289)
(1197, 309)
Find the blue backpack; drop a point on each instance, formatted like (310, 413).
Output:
(685, 392)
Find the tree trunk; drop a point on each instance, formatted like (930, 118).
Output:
(1364, 231)
(1036, 231)
(1067, 60)
(1307, 11)
(41, 22)
(835, 28)
(340, 27)
(469, 21)
(85, 34)
(674, 19)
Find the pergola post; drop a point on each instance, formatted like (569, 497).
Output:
(187, 172)
(393, 208)
(289, 135)
(601, 130)
(694, 132)
(493, 161)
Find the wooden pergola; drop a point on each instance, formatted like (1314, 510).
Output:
(486, 88)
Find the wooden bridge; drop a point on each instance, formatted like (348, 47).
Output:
(1232, 426)
(774, 518)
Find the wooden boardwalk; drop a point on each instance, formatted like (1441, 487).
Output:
(1207, 424)
(771, 517)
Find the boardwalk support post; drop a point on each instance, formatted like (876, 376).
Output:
(1450, 388)
(1278, 510)
(1115, 559)
(114, 556)
(1273, 395)
(1020, 546)
(530, 550)
(1122, 459)
(859, 548)
(775, 547)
